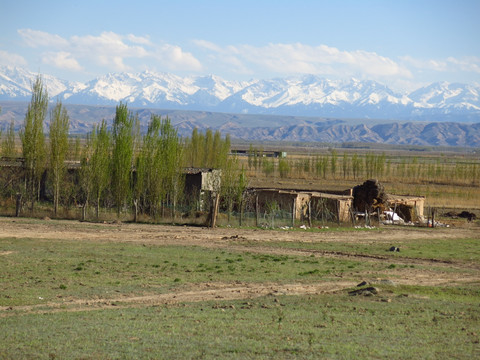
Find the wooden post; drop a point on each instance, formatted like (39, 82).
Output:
(433, 217)
(394, 212)
(241, 212)
(310, 213)
(216, 201)
(294, 210)
(18, 204)
(378, 214)
(338, 212)
(257, 210)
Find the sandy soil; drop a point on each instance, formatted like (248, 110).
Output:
(243, 240)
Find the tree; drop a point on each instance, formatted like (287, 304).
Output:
(8, 144)
(283, 168)
(233, 184)
(122, 155)
(99, 162)
(33, 139)
(333, 163)
(172, 157)
(159, 176)
(59, 125)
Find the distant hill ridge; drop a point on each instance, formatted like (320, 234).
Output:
(275, 127)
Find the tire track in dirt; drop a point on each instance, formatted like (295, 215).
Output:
(198, 293)
(241, 240)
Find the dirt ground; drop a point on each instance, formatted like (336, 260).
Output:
(233, 239)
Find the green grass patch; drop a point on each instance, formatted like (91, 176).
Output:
(433, 248)
(37, 271)
(307, 327)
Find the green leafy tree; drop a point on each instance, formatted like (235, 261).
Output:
(122, 155)
(268, 167)
(33, 140)
(233, 184)
(345, 165)
(99, 163)
(284, 168)
(59, 126)
(8, 144)
(159, 166)
(171, 153)
(333, 163)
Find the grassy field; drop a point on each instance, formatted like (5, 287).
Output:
(83, 291)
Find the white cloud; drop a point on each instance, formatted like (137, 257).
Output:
(300, 58)
(10, 59)
(110, 50)
(61, 60)
(174, 58)
(468, 63)
(36, 38)
(435, 65)
(138, 39)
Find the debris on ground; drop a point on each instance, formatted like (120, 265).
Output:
(377, 281)
(470, 216)
(368, 291)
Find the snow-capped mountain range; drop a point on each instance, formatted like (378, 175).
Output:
(301, 96)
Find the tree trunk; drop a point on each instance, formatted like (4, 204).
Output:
(97, 208)
(135, 206)
(84, 210)
(18, 206)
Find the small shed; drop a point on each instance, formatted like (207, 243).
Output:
(409, 208)
(198, 181)
(305, 205)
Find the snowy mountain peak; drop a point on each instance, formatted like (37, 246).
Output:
(307, 95)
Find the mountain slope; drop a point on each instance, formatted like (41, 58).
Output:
(272, 127)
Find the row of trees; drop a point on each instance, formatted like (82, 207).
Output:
(354, 166)
(119, 167)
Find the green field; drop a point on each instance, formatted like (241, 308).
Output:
(248, 297)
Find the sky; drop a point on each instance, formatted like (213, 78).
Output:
(403, 44)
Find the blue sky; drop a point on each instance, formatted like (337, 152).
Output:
(403, 44)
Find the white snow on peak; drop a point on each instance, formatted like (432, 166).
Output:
(149, 88)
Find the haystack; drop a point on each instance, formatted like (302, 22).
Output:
(370, 193)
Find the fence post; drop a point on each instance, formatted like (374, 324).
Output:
(433, 218)
(294, 210)
(241, 212)
(310, 213)
(257, 210)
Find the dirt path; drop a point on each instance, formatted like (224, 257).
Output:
(241, 240)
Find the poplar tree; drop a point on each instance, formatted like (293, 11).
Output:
(59, 126)
(33, 140)
(8, 144)
(171, 150)
(99, 162)
(122, 155)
